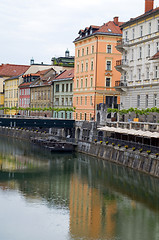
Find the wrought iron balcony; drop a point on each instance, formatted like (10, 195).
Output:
(120, 84)
(121, 44)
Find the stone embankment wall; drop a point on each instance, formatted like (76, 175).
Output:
(21, 133)
(143, 162)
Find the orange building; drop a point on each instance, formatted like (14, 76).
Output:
(95, 74)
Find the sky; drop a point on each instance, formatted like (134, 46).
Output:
(42, 29)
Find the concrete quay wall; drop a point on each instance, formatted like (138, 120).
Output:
(142, 162)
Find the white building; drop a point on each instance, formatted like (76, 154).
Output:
(139, 83)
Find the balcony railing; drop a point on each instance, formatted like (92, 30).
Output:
(103, 106)
(123, 41)
(120, 84)
(122, 62)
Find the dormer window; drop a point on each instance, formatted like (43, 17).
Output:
(109, 30)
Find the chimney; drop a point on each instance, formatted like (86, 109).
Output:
(149, 5)
(116, 20)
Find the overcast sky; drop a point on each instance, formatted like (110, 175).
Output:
(45, 28)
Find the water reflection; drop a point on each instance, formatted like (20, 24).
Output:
(91, 199)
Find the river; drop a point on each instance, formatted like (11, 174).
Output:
(46, 196)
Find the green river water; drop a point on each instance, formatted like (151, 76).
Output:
(46, 196)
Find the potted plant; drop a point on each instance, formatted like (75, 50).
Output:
(95, 140)
(113, 144)
(148, 152)
(126, 146)
(119, 145)
(101, 142)
(133, 148)
(106, 142)
(157, 154)
(140, 150)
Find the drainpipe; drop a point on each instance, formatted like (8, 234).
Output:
(95, 78)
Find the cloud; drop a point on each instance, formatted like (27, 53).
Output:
(43, 29)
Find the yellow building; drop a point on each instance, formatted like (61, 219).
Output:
(10, 72)
(11, 94)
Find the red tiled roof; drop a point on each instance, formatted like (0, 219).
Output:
(110, 28)
(66, 74)
(11, 70)
(156, 56)
(26, 84)
(147, 14)
(43, 72)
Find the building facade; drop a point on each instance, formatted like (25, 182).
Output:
(63, 94)
(24, 88)
(139, 67)
(95, 73)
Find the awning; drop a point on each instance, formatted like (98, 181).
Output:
(141, 133)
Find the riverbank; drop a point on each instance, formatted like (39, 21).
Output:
(139, 161)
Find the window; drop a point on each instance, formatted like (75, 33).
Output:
(67, 87)
(157, 25)
(76, 100)
(87, 50)
(141, 31)
(82, 67)
(138, 100)
(147, 72)
(124, 76)
(156, 71)
(91, 64)
(109, 48)
(155, 100)
(91, 82)
(70, 87)
(149, 50)
(81, 83)
(70, 115)
(63, 87)
(107, 82)
(78, 53)
(70, 101)
(77, 83)
(133, 33)
(76, 115)
(131, 75)
(81, 100)
(157, 47)
(77, 67)
(86, 82)
(56, 101)
(90, 116)
(82, 51)
(150, 28)
(108, 65)
(57, 87)
(66, 101)
(62, 115)
(126, 36)
(91, 102)
(132, 54)
(85, 116)
(139, 73)
(92, 49)
(80, 116)
(146, 100)
(140, 52)
(86, 66)
(85, 100)
(62, 101)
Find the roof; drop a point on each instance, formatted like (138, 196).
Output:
(11, 70)
(145, 15)
(39, 73)
(25, 84)
(156, 56)
(66, 74)
(109, 28)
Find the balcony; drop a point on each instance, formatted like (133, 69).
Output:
(122, 65)
(121, 86)
(122, 44)
(103, 106)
